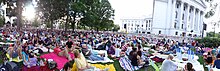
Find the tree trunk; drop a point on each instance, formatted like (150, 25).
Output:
(73, 22)
(51, 22)
(66, 25)
(19, 25)
(97, 29)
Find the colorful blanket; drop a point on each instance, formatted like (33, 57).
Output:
(61, 61)
(126, 64)
(99, 66)
(14, 59)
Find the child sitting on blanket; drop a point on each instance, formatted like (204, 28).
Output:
(82, 64)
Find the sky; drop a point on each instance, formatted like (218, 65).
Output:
(131, 8)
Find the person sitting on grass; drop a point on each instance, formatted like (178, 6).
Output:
(68, 49)
(217, 62)
(82, 64)
(188, 67)
(208, 59)
(135, 58)
(168, 64)
(14, 51)
(67, 67)
(29, 59)
(111, 50)
(91, 54)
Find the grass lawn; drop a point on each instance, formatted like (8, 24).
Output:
(1, 59)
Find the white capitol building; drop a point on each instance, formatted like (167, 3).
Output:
(176, 17)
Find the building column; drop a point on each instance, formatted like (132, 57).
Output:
(168, 21)
(198, 23)
(173, 14)
(201, 21)
(192, 18)
(180, 14)
(187, 18)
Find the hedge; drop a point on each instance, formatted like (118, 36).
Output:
(209, 41)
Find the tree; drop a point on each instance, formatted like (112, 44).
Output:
(98, 14)
(52, 10)
(116, 27)
(77, 11)
(2, 21)
(36, 23)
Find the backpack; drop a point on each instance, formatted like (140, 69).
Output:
(9, 66)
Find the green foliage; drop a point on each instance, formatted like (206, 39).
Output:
(98, 14)
(52, 9)
(35, 23)
(116, 27)
(212, 34)
(2, 21)
(210, 41)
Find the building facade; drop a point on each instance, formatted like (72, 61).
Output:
(136, 25)
(178, 17)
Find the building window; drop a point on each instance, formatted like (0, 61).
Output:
(177, 5)
(134, 28)
(176, 33)
(146, 25)
(182, 26)
(189, 18)
(142, 25)
(159, 32)
(147, 21)
(183, 17)
(148, 28)
(184, 8)
(175, 25)
(125, 26)
(131, 28)
(131, 24)
(176, 14)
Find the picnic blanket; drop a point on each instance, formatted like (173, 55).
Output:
(126, 64)
(99, 66)
(14, 59)
(106, 59)
(61, 61)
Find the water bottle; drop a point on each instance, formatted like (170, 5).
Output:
(189, 54)
(178, 52)
(192, 54)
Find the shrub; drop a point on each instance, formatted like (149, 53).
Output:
(209, 41)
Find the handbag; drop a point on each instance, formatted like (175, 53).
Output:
(52, 64)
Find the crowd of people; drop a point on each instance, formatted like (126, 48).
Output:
(79, 47)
